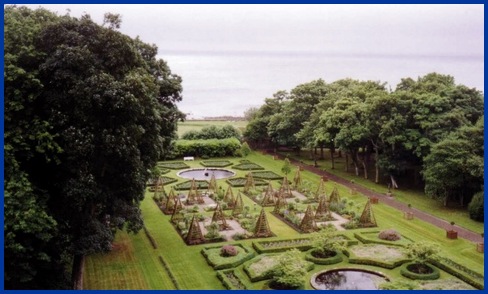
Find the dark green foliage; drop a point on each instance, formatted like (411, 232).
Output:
(173, 165)
(245, 149)
(213, 132)
(329, 260)
(216, 163)
(230, 280)
(88, 112)
(217, 261)
(476, 207)
(267, 175)
(206, 148)
(467, 275)
(186, 185)
(248, 166)
(241, 182)
(432, 274)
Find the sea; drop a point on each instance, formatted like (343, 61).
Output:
(228, 83)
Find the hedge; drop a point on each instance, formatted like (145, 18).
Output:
(364, 239)
(252, 275)
(241, 182)
(466, 275)
(267, 175)
(227, 262)
(206, 148)
(331, 260)
(414, 276)
(170, 274)
(151, 239)
(230, 280)
(248, 166)
(302, 244)
(366, 261)
(173, 165)
(201, 184)
(216, 163)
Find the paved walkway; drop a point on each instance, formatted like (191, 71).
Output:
(462, 232)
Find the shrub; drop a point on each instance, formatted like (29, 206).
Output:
(399, 285)
(206, 148)
(432, 273)
(245, 149)
(228, 250)
(390, 235)
(477, 206)
(291, 270)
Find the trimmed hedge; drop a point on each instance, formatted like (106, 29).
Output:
(218, 262)
(248, 166)
(466, 275)
(362, 236)
(173, 165)
(414, 276)
(366, 261)
(230, 280)
(151, 239)
(266, 275)
(302, 244)
(206, 148)
(241, 182)
(170, 274)
(216, 163)
(331, 260)
(201, 184)
(266, 175)
(165, 181)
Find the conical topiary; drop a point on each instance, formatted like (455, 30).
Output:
(219, 218)
(249, 185)
(194, 235)
(229, 197)
(367, 218)
(307, 225)
(262, 230)
(238, 205)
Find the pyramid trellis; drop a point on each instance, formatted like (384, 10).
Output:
(159, 193)
(249, 183)
(219, 218)
(320, 190)
(297, 181)
(192, 193)
(262, 229)
(268, 199)
(322, 208)
(238, 205)
(285, 188)
(334, 196)
(212, 185)
(307, 225)
(176, 216)
(367, 218)
(170, 202)
(194, 235)
(229, 197)
(280, 203)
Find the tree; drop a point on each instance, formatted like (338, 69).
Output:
(245, 149)
(291, 270)
(326, 241)
(286, 168)
(476, 207)
(421, 252)
(88, 112)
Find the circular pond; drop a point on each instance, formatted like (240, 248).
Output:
(205, 173)
(347, 279)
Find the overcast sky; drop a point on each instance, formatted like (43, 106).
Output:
(358, 30)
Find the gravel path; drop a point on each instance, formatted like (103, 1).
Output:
(462, 232)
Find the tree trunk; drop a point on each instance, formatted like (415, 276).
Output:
(332, 157)
(347, 163)
(340, 153)
(321, 152)
(77, 272)
(315, 150)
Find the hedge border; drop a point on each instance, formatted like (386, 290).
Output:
(169, 165)
(366, 240)
(221, 275)
(257, 182)
(408, 274)
(260, 248)
(151, 239)
(458, 273)
(367, 261)
(177, 187)
(256, 278)
(339, 257)
(239, 166)
(273, 178)
(248, 255)
(209, 164)
(170, 273)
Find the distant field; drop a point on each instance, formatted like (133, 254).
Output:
(189, 125)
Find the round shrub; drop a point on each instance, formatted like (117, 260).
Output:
(477, 206)
(389, 235)
(228, 250)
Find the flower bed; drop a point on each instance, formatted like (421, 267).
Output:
(406, 272)
(173, 165)
(230, 280)
(371, 237)
(201, 184)
(266, 175)
(241, 182)
(302, 244)
(377, 255)
(260, 268)
(248, 166)
(216, 163)
(215, 260)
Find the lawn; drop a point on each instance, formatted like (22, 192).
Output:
(135, 264)
(196, 125)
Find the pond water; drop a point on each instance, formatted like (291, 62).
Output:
(347, 279)
(205, 173)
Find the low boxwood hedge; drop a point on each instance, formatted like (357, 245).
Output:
(248, 166)
(201, 184)
(414, 276)
(266, 175)
(173, 165)
(212, 255)
(241, 182)
(331, 260)
(366, 261)
(216, 163)
(364, 238)
(302, 244)
(474, 279)
(231, 280)
(256, 277)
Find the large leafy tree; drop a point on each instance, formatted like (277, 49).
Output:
(88, 112)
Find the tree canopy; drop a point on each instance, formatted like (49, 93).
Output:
(88, 112)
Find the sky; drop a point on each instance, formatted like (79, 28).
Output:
(364, 31)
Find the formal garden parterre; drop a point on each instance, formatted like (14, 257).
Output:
(209, 220)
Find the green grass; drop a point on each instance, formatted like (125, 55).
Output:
(135, 265)
(415, 197)
(196, 125)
